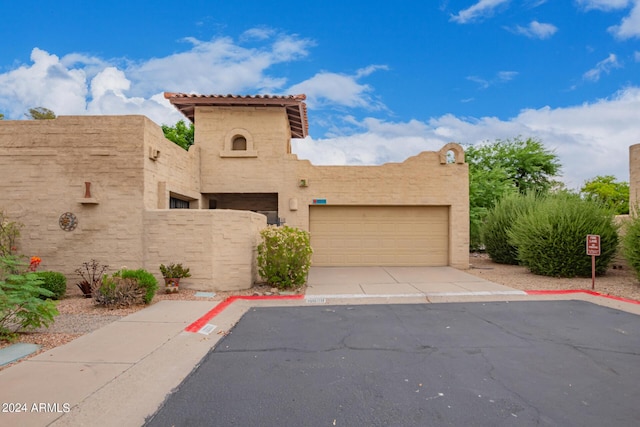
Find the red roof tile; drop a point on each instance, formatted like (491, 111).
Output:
(294, 105)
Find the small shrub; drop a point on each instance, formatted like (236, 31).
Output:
(284, 256)
(551, 238)
(631, 244)
(21, 305)
(54, 282)
(119, 292)
(495, 231)
(91, 273)
(144, 279)
(174, 271)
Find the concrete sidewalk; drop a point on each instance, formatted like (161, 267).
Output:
(121, 373)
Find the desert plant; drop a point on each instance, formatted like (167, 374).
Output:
(631, 243)
(284, 256)
(21, 306)
(551, 238)
(174, 271)
(495, 230)
(143, 278)
(9, 233)
(117, 291)
(54, 282)
(91, 273)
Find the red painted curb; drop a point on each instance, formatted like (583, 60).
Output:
(581, 291)
(198, 324)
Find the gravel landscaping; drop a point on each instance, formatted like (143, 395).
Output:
(79, 315)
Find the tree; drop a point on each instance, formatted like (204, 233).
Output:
(180, 134)
(605, 189)
(40, 113)
(503, 167)
(1, 116)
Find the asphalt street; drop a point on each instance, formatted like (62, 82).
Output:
(550, 363)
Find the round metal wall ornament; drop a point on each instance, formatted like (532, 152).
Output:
(68, 221)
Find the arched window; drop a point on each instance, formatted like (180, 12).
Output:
(239, 143)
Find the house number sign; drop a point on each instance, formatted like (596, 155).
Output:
(68, 221)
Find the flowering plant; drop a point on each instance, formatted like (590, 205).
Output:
(34, 263)
(284, 256)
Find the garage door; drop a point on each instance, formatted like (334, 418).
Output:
(379, 235)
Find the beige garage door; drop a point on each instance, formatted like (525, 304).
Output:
(379, 235)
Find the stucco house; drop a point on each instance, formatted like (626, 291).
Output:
(112, 188)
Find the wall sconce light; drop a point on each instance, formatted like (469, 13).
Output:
(303, 182)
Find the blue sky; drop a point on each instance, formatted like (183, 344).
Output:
(384, 80)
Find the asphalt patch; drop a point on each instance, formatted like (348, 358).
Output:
(478, 364)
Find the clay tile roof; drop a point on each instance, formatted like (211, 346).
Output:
(294, 105)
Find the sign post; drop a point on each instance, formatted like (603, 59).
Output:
(593, 249)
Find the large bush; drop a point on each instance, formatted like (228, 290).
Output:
(284, 256)
(631, 244)
(144, 279)
(21, 305)
(54, 282)
(551, 238)
(495, 231)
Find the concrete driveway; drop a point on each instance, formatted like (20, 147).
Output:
(399, 281)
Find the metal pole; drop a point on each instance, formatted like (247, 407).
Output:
(593, 272)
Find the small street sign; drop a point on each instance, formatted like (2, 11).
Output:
(593, 245)
(593, 249)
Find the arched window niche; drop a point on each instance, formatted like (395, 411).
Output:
(238, 143)
(451, 153)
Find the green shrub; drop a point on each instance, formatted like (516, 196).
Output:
(144, 279)
(54, 282)
(118, 292)
(495, 231)
(21, 305)
(284, 256)
(631, 244)
(551, 238)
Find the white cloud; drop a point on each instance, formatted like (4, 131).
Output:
(536, 30)
(590, 139)
(326, 88)
(604, 66)
(479, 10)
(501, 77)
(82, 84)
(603, 4)
(630, 25)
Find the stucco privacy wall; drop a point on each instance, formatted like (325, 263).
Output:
(45, 164)
(218, 245)
(132, 168)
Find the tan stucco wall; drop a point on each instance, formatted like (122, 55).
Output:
(169, 169)
(634, 176)
(219, 246)
(132, 169)
(44, 166)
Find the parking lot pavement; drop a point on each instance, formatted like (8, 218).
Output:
(485, 363)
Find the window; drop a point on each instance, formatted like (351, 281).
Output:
(239, 143)
(178, 203)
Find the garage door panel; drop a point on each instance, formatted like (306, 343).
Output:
(379, 235)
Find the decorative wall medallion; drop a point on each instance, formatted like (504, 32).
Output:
(68, 221)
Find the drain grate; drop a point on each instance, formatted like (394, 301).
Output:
(207, 329)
